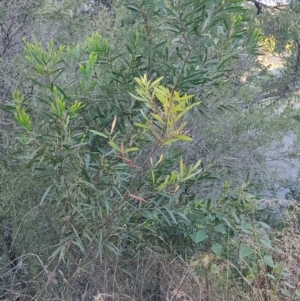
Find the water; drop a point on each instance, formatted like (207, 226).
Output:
(283, 166)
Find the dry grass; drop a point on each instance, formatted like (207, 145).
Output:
(150, 276)
(154, 276)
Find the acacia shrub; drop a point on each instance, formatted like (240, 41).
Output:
(102, 140)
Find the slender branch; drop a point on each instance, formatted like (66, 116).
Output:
(263, 97)
(259, 5)
(123, 200)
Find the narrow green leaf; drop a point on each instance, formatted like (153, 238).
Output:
(99, 134)
(285, 292)
(114, 145)
(207, 20)
(264, 225)
(181, 167)
(131, 149)
(144, 115)
(170, 141)
(62, 92)
(170, 214)
(8, 108)
(144, 126)
(157, 81)
(133, 8)
(45, 194)
(180, 115)
(271, 276)
(170, 28)
(191, 176)
(237, 220)
(157, 117)
(153, 177)
(161, 96)
(78, 243)
(165, 218)
(159, 45)
(82, 69)
(184, 138)
(289, 285)
(235, 9)
(56, 252)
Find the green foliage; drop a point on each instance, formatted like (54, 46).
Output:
(103, 132)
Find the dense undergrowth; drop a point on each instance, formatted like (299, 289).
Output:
(129, 167)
